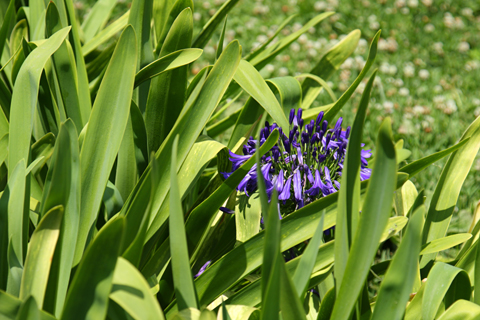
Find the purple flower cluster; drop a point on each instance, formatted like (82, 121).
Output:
(307, 163)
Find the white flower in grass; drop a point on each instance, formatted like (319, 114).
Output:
(398, 82)
(403, 92)
(209, 51)
(347, 64)
(282, 72)
(400, 3)
(388, 106)
(467, 12)
(424, 74)
(413, 3)
(295, 47)
(320, 6)
(206, 5)
(477, 113)
(405, 10)
(392, 69)
(262, 38)
(438, 88)
(418, 110)
(448, 20)
(439, 99)
(463, 46)
(197, 16)
(409, 70)
(472, 65)
(427, 3)
(374, 25)
(384, 67)
(312, 53)
(450, 107)
(476, 102)
(429, 28)
(297, 26)
(438, 47)
(360, 62)
(270, 68)
(302, 39)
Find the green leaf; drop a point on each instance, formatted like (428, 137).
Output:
(337, 106)
(88, 294)
(97, 18)
(167, 94)
(65, 70)
(62, 188)
(394, 225)
(326, 308)
(349, 194)
(444, 281)
(252, 82)
(174, 10)
(405, 198)
(325, 68)
(7, 20)
(321, 82)
(398, 282)
(290, 305)
(168, 62)
(271, 255)
(131, 292)
(10, 307)
(82, 78)
(461, 310)
(289, 91)
(106, 34)
(445, 243)
(126, 170)
(40, 256)
(29, 310)
(208, 29)
(373, 220)
(221, 39)
(182, 277)
(3, 148)
(140, 19)
(476, 278)
(448, 188)
(17, 217)
(307, 261)
(103, 139)
(271, 295)
(418, 165)
(25, 97)
(250, 114)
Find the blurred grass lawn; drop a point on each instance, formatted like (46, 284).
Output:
(429, 65)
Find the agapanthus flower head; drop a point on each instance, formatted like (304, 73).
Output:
(304, 165)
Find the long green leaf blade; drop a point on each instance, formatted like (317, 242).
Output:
(87, 296)
(103, 139)
(375, 213)
(40, 255)
(182, 277)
